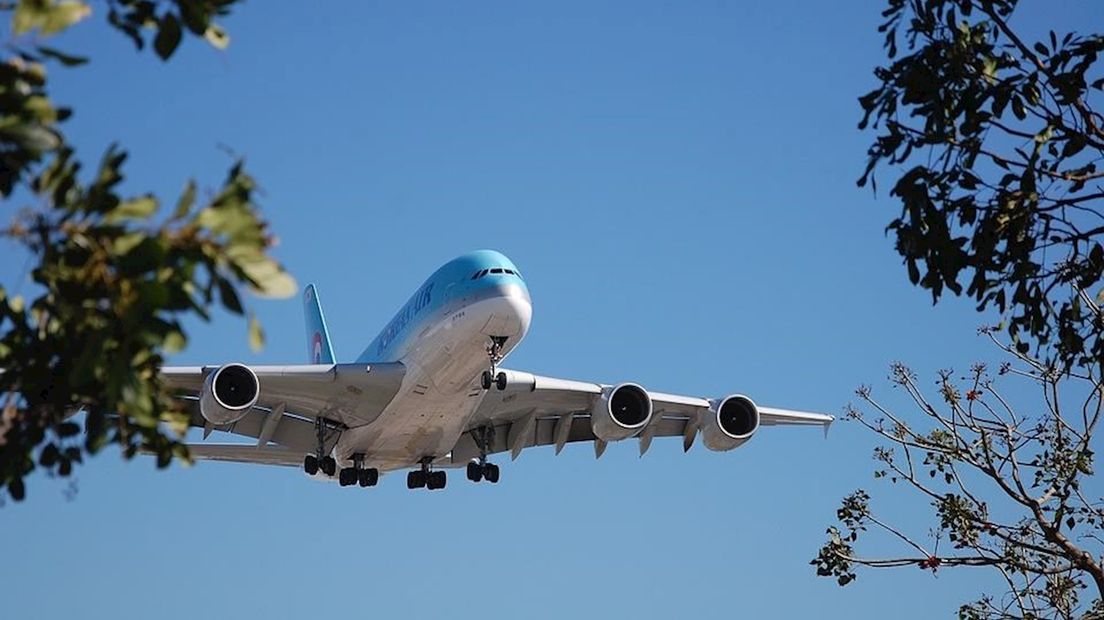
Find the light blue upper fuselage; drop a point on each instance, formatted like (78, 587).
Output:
(471, 276)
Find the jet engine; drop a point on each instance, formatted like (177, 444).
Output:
(730, 422)
(228, 394)
(620, 412)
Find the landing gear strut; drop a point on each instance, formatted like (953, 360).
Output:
(492, 376)
(314, 462)
(480, 469)
(425, 477)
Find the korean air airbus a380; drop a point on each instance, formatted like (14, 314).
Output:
(428, 394)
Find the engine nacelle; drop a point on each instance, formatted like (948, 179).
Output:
(228, 394)
(621, 412)
(731, 422)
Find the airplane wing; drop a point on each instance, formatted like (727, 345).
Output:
(290, 399)
(541, 411)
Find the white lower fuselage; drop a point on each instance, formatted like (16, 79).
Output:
(445, 354)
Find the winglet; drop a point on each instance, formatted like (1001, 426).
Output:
(828, 425)
(319, 349)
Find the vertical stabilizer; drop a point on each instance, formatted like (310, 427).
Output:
(319, 349)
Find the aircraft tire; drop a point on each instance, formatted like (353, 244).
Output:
(490, 472)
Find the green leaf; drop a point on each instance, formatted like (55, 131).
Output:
(65, 14)
(168, 36)
(65, 59)
(216, 36)
(127, 242)
(229, 296)
(256, 334)
(270, 279)
(138, 208)
(32, 137)
(174, 342)
(187, 199)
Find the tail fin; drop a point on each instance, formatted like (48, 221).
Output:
(319, 349)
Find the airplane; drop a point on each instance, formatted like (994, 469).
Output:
(429, 394)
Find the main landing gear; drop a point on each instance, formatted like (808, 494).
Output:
(358, 473)
(314, 462)
(425, 477)
(480, 469)
(492, 376)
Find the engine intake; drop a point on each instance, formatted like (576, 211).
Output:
(228, 394)
(731, 422)
(621, 412)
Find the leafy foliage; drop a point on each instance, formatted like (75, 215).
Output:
(1000, 147)
(1006, 488)
(116, 275)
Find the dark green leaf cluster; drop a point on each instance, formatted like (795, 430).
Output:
(999, 148)
(168, 21)
(114, 276)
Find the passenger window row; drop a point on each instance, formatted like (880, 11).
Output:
(495, 271)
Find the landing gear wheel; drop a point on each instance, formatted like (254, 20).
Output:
(486, 380)
(416, 480)
(435, 480)
(475, 471)
(500, 381)
(310, 464)
(490, 472)
(347, 477)
(368, 477)
(328, 465)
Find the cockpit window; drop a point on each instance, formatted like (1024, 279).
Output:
(496, 270)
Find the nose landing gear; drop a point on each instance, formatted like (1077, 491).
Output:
(492, 376)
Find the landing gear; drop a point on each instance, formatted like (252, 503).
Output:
(359, 474)
(492, 376)
(426, 478)
(315, 462)
(312, 464)
(480, 469)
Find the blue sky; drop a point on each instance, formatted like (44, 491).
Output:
(676, 182)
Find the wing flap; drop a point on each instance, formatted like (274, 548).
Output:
(234, 453)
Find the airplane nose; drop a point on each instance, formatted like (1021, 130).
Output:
(510, 309)
(511, 290)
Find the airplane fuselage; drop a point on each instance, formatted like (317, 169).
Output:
(441, 337)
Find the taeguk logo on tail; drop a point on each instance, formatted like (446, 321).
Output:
(316, 347)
